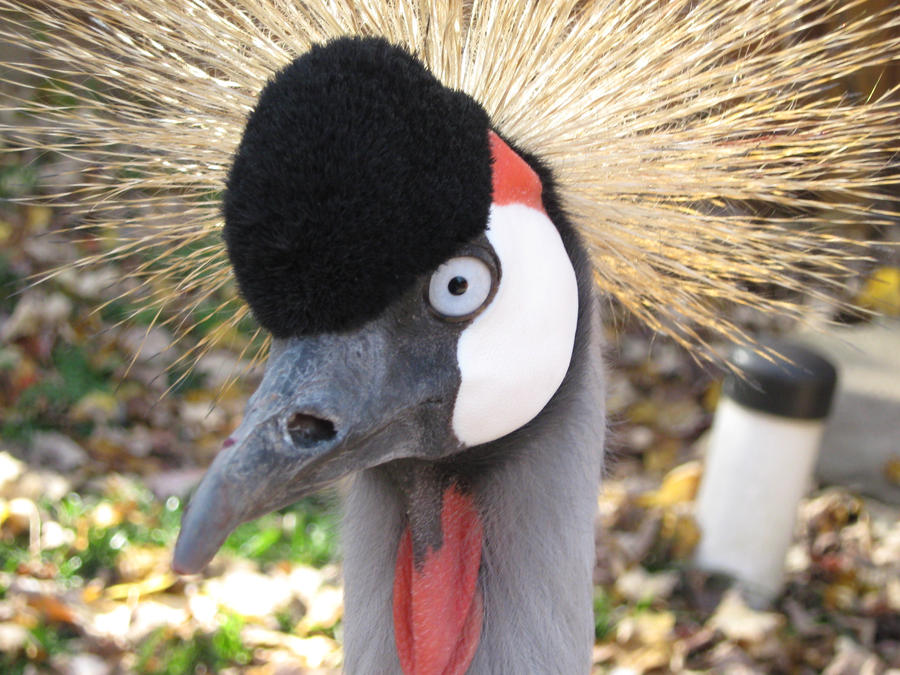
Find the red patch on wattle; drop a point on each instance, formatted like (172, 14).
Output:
(438, 608)
(514, 182)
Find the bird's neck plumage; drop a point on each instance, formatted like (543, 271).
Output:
(535, 493)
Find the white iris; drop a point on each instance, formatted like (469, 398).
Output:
(459, 286)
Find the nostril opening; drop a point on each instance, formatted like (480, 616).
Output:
(307, 430)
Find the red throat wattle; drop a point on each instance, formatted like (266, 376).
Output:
(437, 603)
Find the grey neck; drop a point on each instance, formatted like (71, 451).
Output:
(537, 506)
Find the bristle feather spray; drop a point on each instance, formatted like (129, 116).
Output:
(702, 148)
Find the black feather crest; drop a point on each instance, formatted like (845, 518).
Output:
(357, 173)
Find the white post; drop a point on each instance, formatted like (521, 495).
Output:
(760, 457)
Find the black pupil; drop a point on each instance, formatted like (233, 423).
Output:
(458, 285)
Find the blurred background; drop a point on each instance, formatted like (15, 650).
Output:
(105, 427)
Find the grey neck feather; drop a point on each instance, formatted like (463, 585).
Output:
(538, 508)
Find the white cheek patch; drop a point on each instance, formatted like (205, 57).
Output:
(515, 354)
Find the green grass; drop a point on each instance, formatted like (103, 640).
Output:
(164, 653)
(305, 532)
(57, 93)
(50, 639)
(302, 533)
(133, 313)
(17, 180)
(13, 666)
(604, 613)
(44, 641)
(10, 283)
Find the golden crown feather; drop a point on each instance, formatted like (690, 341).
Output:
(702, 148)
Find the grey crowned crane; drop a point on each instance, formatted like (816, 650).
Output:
(431, 305)
(434, 337)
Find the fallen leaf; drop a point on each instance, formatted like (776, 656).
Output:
(711, 396)
(646, 639)
(637, 585)
(324, 611)
(52, 608)
(113, 623)
(12, 638)
(636, 545)
(203, 416)
(730, 659)
(138, 589)
(161, 611)
(57, 451)
(136, 563)
(10, 470)
(36, 312)
(680, 418)
(314, 652)
(644, 412)
(36, 485)
(679, 532)
(88, 284)
(22, 369)
(22, 516)
(99, 407)
(740, 623)
(305, 582)
(81, 664)
(638, 438)
(679, 485)
(802, 620)
(662, 455)
(881, 292)
(54, 535)
(892, 470)
(38, 218)
(645, 659)
(852, 659)
(620, 394)
(250, 594)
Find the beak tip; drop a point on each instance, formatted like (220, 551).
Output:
(198, 542)
(181, 570)
(186, 561)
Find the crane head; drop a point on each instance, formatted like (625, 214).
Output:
(421, 300)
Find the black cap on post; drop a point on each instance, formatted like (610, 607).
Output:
(794, 382)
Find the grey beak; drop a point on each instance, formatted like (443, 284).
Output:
(289, 429)
(328, 405)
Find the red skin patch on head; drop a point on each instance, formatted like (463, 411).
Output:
(438, 608)
(514, 182)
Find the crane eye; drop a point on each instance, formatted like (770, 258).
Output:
(460, 287)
